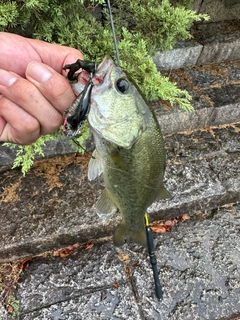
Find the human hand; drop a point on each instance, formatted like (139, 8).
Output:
(33, 90)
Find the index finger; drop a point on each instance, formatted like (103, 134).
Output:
(16, 52)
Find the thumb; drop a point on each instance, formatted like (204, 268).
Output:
(53, 86)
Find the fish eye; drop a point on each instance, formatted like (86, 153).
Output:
(122, 85)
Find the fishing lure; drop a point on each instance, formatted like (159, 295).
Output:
(89, 66)
(75, 116)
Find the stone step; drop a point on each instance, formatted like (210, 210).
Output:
(215, 91)
(52, 206)
(211, 42)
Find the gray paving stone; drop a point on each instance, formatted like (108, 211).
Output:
(197, 5)
(226, 95)
(198, 265)
(205, 78)
(228, 137)
(219, 10)
(3, 312)
(225, 49)
(115, 305)
(78, 287)
(199, 270)
(211, 43)
(194, 186)
(178, 120)
(215, 91)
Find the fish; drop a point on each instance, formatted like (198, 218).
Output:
(129, 150)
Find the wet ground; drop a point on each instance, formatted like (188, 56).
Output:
(198, 266)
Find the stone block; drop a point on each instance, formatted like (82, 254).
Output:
(183, 54)
(198, 268)
(220, 47)
(219, 10)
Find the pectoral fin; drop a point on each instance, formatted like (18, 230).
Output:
(105, 208)
(94, 166)
(163, 194)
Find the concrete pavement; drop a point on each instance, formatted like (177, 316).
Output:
(198, 266)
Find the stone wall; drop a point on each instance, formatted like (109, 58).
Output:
(218, 10)
(212, 42)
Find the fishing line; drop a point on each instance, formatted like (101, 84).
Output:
(113, 32)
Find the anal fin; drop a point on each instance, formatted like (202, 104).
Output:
(163, 194)
(105, 208)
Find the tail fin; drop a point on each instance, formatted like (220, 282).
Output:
(123, 233)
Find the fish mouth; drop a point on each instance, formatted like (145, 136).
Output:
(103, 71)
(101, 75)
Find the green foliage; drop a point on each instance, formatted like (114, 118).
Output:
(13, 305)
(8, 15)
(159, 23)
(25, 154)
(80, 143)
(134, 48)
(141, 27)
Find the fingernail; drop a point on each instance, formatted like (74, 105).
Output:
(6, 78)
(38, 72)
